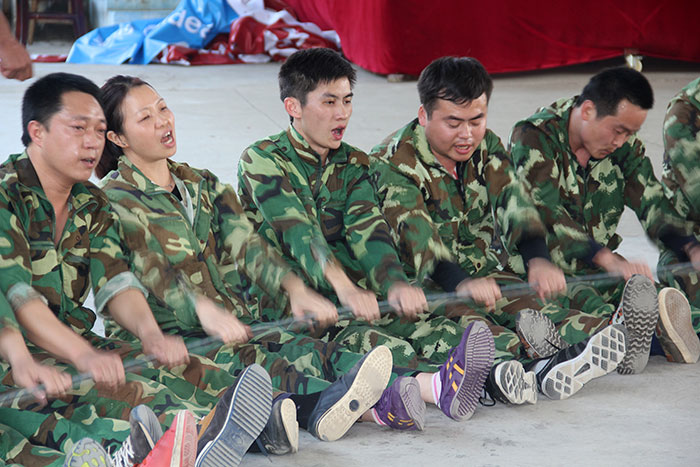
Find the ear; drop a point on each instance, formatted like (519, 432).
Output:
(292, 106)
(422, 116)
(36, 132)
(117, 139)
(588, 110)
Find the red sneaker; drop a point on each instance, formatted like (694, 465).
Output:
(177, 447)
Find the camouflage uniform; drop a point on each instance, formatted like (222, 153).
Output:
(88, 252)
(681, 177)
(446, 226)
(298, 205)
(582, 206)
(208, 242)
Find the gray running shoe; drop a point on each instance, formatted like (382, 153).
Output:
(640, 312)
(538, 334)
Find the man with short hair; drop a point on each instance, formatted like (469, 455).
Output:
(447, 186)
(583, 162)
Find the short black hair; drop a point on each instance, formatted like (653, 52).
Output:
(306, 69)
(456, 79)
(112, 95)
(607, 88)
(43, 99)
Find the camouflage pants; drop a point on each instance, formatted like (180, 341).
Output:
(573, 325)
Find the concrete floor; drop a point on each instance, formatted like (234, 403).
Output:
(647, 419)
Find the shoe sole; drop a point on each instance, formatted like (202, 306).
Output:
(251, 404)
(409, 390)
(674, 313)
(184, 450)
(640, 311)
(365, 390)
(288, 411)
(517, 385)
(479, 350)
(602, 354)
(88, 452)
(538, 334)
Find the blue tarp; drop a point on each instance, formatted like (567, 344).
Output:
(193, 23)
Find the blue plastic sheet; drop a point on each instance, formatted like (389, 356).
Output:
(193, 23)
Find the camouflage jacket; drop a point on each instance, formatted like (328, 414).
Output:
(7, 316)
(436, 217)
(298, 205)
(204, 244)
(88, 252)
(681, 176)
(581, 207)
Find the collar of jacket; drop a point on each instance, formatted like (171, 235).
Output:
(28, 179)
(127, 172)
(308, 155)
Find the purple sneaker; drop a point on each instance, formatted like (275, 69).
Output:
(401, 406)
(465, 371)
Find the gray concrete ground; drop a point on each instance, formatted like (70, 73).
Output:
(647, 419)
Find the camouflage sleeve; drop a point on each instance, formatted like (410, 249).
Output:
(243, 248)
(109, 268)
(419, 243)
(369, 235)
(681, 157)
(15, 258)
(513, 206)
(7, 316)
(537, 166)
(644, 194)
(266, 181)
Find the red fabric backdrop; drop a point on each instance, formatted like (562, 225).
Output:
(403, 36)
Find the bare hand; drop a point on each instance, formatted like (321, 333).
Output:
(105, 368)
(14, 61)
(304, 303)
(483, 290)
(407, 300)
(220, 323)
(362, 302)
(694, 256)
(546, 278)
(616, 264)
(30, 374)
(170, 351)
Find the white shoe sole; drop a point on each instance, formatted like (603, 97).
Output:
(674, 313)
(364, 392)
(517, 385)
(289, 422)
(602, 354)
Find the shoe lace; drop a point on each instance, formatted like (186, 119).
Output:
(124, 457)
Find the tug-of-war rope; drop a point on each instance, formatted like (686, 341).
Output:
(507, 291)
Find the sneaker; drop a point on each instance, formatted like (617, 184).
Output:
(676, 333)
(87, 453)
(401, 406)
(145, 433)
(538, 334)
(569, 369)
(343, 402)
(281, 434)
(465, 371)
(640, 312)
(178, 446)
(509, 383)
(238, 418)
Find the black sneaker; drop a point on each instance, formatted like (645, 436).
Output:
(281, 434)
(569, 369)
(227, 432)
(640, 313)
(343, 402)
(538, 334)
(509, 383)
(145, 433)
